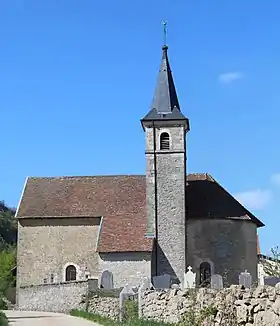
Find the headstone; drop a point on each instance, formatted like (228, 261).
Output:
(92, 284)
(189, 279)
(245, 279)
(217, 282)
(261, 274)
(125, 293)
(271, 280)
(162, 281)
(106, 281)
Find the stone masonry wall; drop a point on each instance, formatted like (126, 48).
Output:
(232, 306)
(60, 297)
(105, 306)
(171, 185)
(223, 243)
(128, 268)
(47, 246)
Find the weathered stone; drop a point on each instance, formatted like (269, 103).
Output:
(276, 307)
(236, 306)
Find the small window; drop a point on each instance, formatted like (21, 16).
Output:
(71, 273)
(52, 278)
(205, 274)
(164, 141)
(45, 281)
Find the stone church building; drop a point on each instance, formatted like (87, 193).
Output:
(73, 228)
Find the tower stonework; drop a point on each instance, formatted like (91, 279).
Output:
(166, 127)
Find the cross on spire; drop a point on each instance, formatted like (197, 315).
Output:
(164, 23)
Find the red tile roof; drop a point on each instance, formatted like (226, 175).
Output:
(121, 201)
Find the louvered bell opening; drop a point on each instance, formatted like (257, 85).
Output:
(164, 141)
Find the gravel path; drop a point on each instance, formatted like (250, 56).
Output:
(35, 318)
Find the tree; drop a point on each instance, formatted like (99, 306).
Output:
(271, 265)
(7, 262)
(8, 227)
(8, 240)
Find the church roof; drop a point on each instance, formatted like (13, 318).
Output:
(165, 104)
(121, 202)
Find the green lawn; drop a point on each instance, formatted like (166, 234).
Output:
(109, 322)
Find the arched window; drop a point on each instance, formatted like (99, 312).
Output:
(71, 273)
(205, 274)
(164, 141)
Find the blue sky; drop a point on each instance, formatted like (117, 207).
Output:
(76, 77)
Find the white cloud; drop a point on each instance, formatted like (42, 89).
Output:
(229, 77)
(275, 179)
(254, 199)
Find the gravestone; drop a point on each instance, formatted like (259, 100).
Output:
(162, 281)
(245, 279)
(92, 284)
(125, 293)
(271, 280)
(217, 282)
(189, 279)
(106, 281)
(260, 274)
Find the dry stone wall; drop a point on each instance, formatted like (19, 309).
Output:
(104, 306)
(59, 297)
(233, 306)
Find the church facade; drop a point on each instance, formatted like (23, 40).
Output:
(73, 228)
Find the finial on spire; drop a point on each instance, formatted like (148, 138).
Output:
(164, 23)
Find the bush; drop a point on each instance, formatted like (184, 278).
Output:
(3, 303)
(3, 319)
(130, 310)
(7, 262)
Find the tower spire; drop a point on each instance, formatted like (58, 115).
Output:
(165, 104)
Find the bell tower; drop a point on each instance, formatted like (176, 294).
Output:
(165, 127)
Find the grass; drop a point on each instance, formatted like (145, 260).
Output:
(109, 322)
(3, 319)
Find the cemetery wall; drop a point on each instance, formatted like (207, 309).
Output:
(127, 268)
(259, 306)
(105, 306)
(59, 297)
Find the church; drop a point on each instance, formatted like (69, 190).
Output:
(71, 229)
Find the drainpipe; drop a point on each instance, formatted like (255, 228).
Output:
(156, 200)
(186, 202)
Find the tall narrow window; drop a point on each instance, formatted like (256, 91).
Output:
(164, 141)
(205, 274)
(71, 273)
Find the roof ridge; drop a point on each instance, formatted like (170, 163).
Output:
(87, 176)
(206, 175)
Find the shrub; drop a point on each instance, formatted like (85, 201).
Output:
(3, 303)
(130, 310)
(3, 319)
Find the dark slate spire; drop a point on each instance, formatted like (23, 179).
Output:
(165, 105)
(165, 97)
